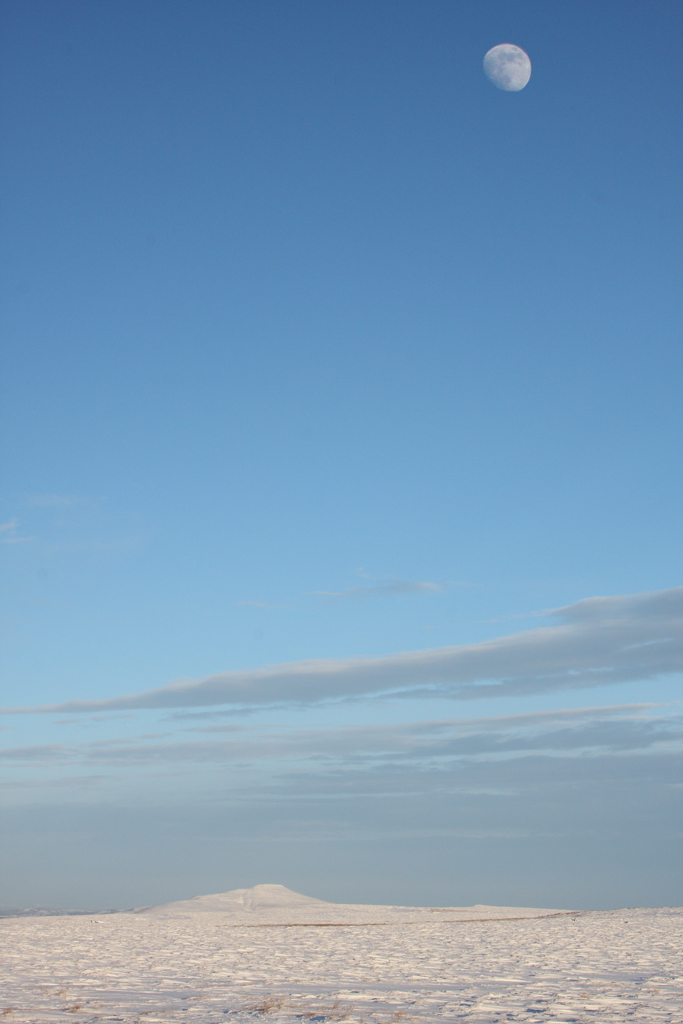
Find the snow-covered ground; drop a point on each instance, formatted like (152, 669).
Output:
(269, 954)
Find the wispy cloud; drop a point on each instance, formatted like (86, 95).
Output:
(53, 500)
(8, 533)
(598, 641)
(382, 588)
(264, 604)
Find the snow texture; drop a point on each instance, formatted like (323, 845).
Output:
(247, 956)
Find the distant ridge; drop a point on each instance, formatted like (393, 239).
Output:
(278, 905)
(50, 912)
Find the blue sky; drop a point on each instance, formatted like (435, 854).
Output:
(319, 348)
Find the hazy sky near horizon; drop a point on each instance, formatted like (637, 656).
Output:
(337, 384)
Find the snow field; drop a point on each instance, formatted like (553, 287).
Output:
(625, 965)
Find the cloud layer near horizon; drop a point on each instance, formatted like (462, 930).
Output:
(598, 641)
(617, 730)
(582, 805)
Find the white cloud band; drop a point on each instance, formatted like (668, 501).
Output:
(599, 640)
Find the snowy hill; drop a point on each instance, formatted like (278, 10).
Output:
(260, 899)
(275, 904)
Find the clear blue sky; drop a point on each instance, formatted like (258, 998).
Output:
(318, 346)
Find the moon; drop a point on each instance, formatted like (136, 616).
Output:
(508, 67)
